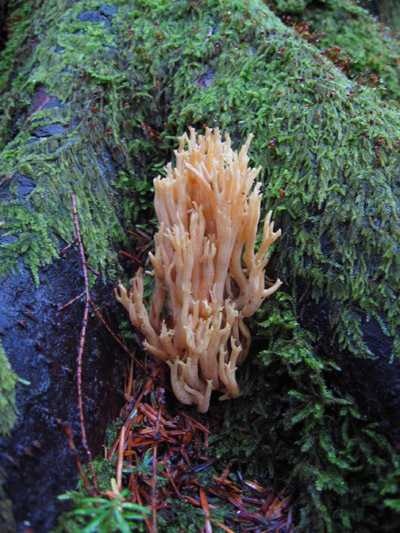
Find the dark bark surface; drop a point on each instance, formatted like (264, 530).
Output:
(41, 343)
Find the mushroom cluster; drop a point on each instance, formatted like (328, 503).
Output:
(208, 266)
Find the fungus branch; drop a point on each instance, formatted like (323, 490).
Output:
(209, 273)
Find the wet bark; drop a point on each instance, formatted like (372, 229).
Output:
(41, 342)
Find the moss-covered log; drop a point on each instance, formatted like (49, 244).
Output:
(95, 95)
(328, 147)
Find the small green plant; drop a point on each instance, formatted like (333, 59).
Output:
(136, 196)
(101, 514)
(8, 381)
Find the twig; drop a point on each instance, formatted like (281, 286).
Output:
(82, 337)
(120, 458)
(117, 339)
(93, 271)
(206, 510)
(128, 389)
(131, 257)
(174, 444)
(154, 478)
(71, 444)
(64, 250)
(70, 302)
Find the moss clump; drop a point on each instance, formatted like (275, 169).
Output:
(18, 25)
(373, 53)
(289, 6)
(15, 63)
(8, 381)
(348, 34)
(339, 468)
(102, 514)
(73, 119)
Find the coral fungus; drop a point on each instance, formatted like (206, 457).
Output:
(209, 272)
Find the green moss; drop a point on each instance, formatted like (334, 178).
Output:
(102, 514)
(8, 381)
(18, 24)
(69, 63)
(184, 517)
(349, 35)
(317, 136)
(307, 434)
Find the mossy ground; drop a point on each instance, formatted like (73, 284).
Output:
(367, 51)
(63, 142)
(329, 149)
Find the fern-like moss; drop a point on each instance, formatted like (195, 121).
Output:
(8, 380)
